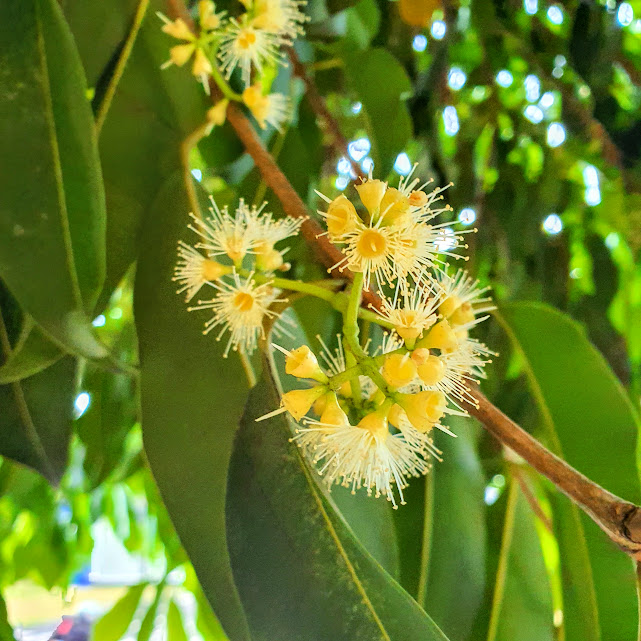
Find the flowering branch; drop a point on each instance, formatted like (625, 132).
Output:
(619, 519)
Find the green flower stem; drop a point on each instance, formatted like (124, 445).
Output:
(363, 367)
(350, 320)
(227, 91)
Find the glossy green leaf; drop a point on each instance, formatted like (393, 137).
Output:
(381, 84)
(175, 625)
(522, 606)
(590, 420)
(192, 400)
(457, 556)
(114, 624)
(52, 223)
(300, 571)
(32, 353)
(36, 413)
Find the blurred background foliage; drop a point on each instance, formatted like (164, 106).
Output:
(531, 108)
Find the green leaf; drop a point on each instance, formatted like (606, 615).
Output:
(149, 620)
(115, 623)
(363, 21)
(457, 556)
(589, 419)
(522, 606)
(6, 631)
(191, 400)
(300, 571)
(52, 223)
(32, 353)
(381, 84)
(175, 626)
(36, 415)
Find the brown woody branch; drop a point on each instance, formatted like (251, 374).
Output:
(619, 519)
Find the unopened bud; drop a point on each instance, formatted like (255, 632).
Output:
(202, 66)
(180, 54)
(417, 198)
(341, 216)
(218, 113)
(432, 370)
(423, 409)
(268, 259)
(442, 337)
(302, 363)
(207, 13)
(298, 402)
(178, 29)
(420, 355)
(333, 414)
(399, 370)
(371, 193)
(376, 423)
(212, 270)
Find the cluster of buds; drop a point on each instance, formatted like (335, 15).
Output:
(219, 45)
(238, 262)
(369, 422)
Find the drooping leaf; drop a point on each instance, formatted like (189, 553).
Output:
(114, 624)
(32, 353)
(522, 607)
(191, 400)
(588, 418)
(457, 556)
(52, 222)
(300, 572)
(381, 85)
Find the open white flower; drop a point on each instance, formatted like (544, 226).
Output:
(363, 456)
(245, 46)
(272, 109)
(193, 270)
(240, 307)
(463, 299)
(281, 17)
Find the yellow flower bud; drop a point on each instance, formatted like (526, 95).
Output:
(449, 306)
(463, 315)
(371, 193)
(207, 13)
(299, 401)
(178, 29)
(218, 113)
(341, 216)
(399, 370)
(180, 54)
(423, 409)
(420, 355)
(418, 198)
(376, 422)
(202, 66)
(302, 363)
(442, 337)
(268, 259)
(320, 405)
(432, 370)
(213, 270)
(252, 95)
(395, 207)
(397, 415)
(417, 13)
(333, 413)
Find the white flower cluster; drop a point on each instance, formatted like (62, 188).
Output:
(249, 43)
(239, 260)
(373, 417)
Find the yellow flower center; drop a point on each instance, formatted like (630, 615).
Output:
(243, 301)
(372, 244)
(246, 39)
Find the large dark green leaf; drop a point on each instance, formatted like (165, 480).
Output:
(192, 400)
(300, 571)
(457, 556)
(522, 606)
(381, 84)
(52, 221)
(589, 419)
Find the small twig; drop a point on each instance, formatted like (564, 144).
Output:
(619, 519)
(141, 11)
(317, 103)
(532, 499)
